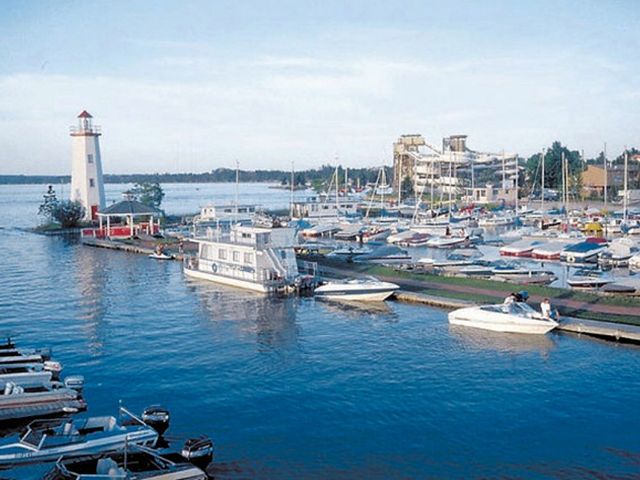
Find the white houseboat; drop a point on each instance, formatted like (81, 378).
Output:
(254, 258)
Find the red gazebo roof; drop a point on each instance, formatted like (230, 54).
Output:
(85, 114)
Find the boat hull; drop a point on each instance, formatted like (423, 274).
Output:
(232, 282)
(497, 322)
(355, 296)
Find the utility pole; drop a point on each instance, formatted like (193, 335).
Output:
(291, 198)
(542, 185)
(626, 179)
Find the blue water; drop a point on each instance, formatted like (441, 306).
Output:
(298, 388)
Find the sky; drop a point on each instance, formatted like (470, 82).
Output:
(196, 85)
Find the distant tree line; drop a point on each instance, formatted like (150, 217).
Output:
(219, 175)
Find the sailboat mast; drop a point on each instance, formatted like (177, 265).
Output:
(606, 176)
(291, 194)
(235, 212)
(542, 185)
(626, 179)
(337, 190)
(564, 183)
(450, 183)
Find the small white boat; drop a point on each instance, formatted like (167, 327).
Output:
(585, 278)
(498, 221)
(446, 242)
(520, 248)
(161, 256)
(514, 318)
(367, 290)
(48, 440)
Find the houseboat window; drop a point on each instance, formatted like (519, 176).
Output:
(236, 256)
(246, 235)
(248, 258)
(283, 254)
(92, 182)
(90, 157)
(222, 254)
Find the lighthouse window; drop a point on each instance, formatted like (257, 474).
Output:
(90, 158)
(92, 183)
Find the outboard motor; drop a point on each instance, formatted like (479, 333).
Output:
(156, 417)
(54, 367)
(74, 382)
(198, 451)
(45, 353)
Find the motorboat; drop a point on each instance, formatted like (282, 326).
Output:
(583, 252)
(48, 440)
(497, 221)
(136, 464)
(587, 278)
(53, 398)
(447, 242)
(454, 261)
(618, 253)
(401, 236)
(634, 262)
(418, 240)
(523, 276)
(349, 252)
(361, 290)
(160, 256)
(384, 254)
(548, 251)
(24, 375)
(517, 317)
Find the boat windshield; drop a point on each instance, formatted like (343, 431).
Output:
(515, 308)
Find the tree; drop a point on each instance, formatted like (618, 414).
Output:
(150, 194)
(67, 213)
(407, 186)
(553, 166)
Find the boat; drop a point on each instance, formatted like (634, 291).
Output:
(48, 440)
(520, 248)
(583, 252)
(385, 254)
(634, 262)
(361, 290)
(587, 278)
(548, 251)
(403, 236)
(160, 256)
(349, 252)
(53, 398)
(447, 242)
(454, 261)
(497, 221)
(522, 275)
(24, 375)
(137, 463)
(514, 318)
(259, 259)
(618, 253)
(418, 240)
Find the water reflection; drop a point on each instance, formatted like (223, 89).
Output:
(271, 320)
(91, 273)
(357, 309)
(502, 342)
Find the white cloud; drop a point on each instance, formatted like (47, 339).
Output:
(200, 112)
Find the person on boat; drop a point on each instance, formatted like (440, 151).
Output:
(511, 299)
(547, 311)
(522, 296)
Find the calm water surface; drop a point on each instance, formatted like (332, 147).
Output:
(298, 388)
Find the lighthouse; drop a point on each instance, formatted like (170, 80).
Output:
(86, 166)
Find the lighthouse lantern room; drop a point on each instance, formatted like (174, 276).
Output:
(86, 166)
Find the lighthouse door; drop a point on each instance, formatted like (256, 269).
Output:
(94, 212)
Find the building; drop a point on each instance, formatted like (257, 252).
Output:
(86, 166)
(454, 168)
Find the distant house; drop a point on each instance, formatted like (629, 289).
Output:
(593, 177)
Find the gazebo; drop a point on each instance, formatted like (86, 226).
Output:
(129, 209)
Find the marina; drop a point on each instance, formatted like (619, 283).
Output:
(319, 240)
(284, 335)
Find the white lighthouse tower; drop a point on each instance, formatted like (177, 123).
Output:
(86, 166)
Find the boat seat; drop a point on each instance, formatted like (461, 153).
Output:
(109, 468)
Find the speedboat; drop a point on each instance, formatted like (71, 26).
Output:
(385, 254)
(19, 403)
(136, 464)
(48, 440)
(361, 290)
(586, 278)
(160, 256)
(497, 221)
(514, 318)
(349, 252)
(446, 242)
(453, 262)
